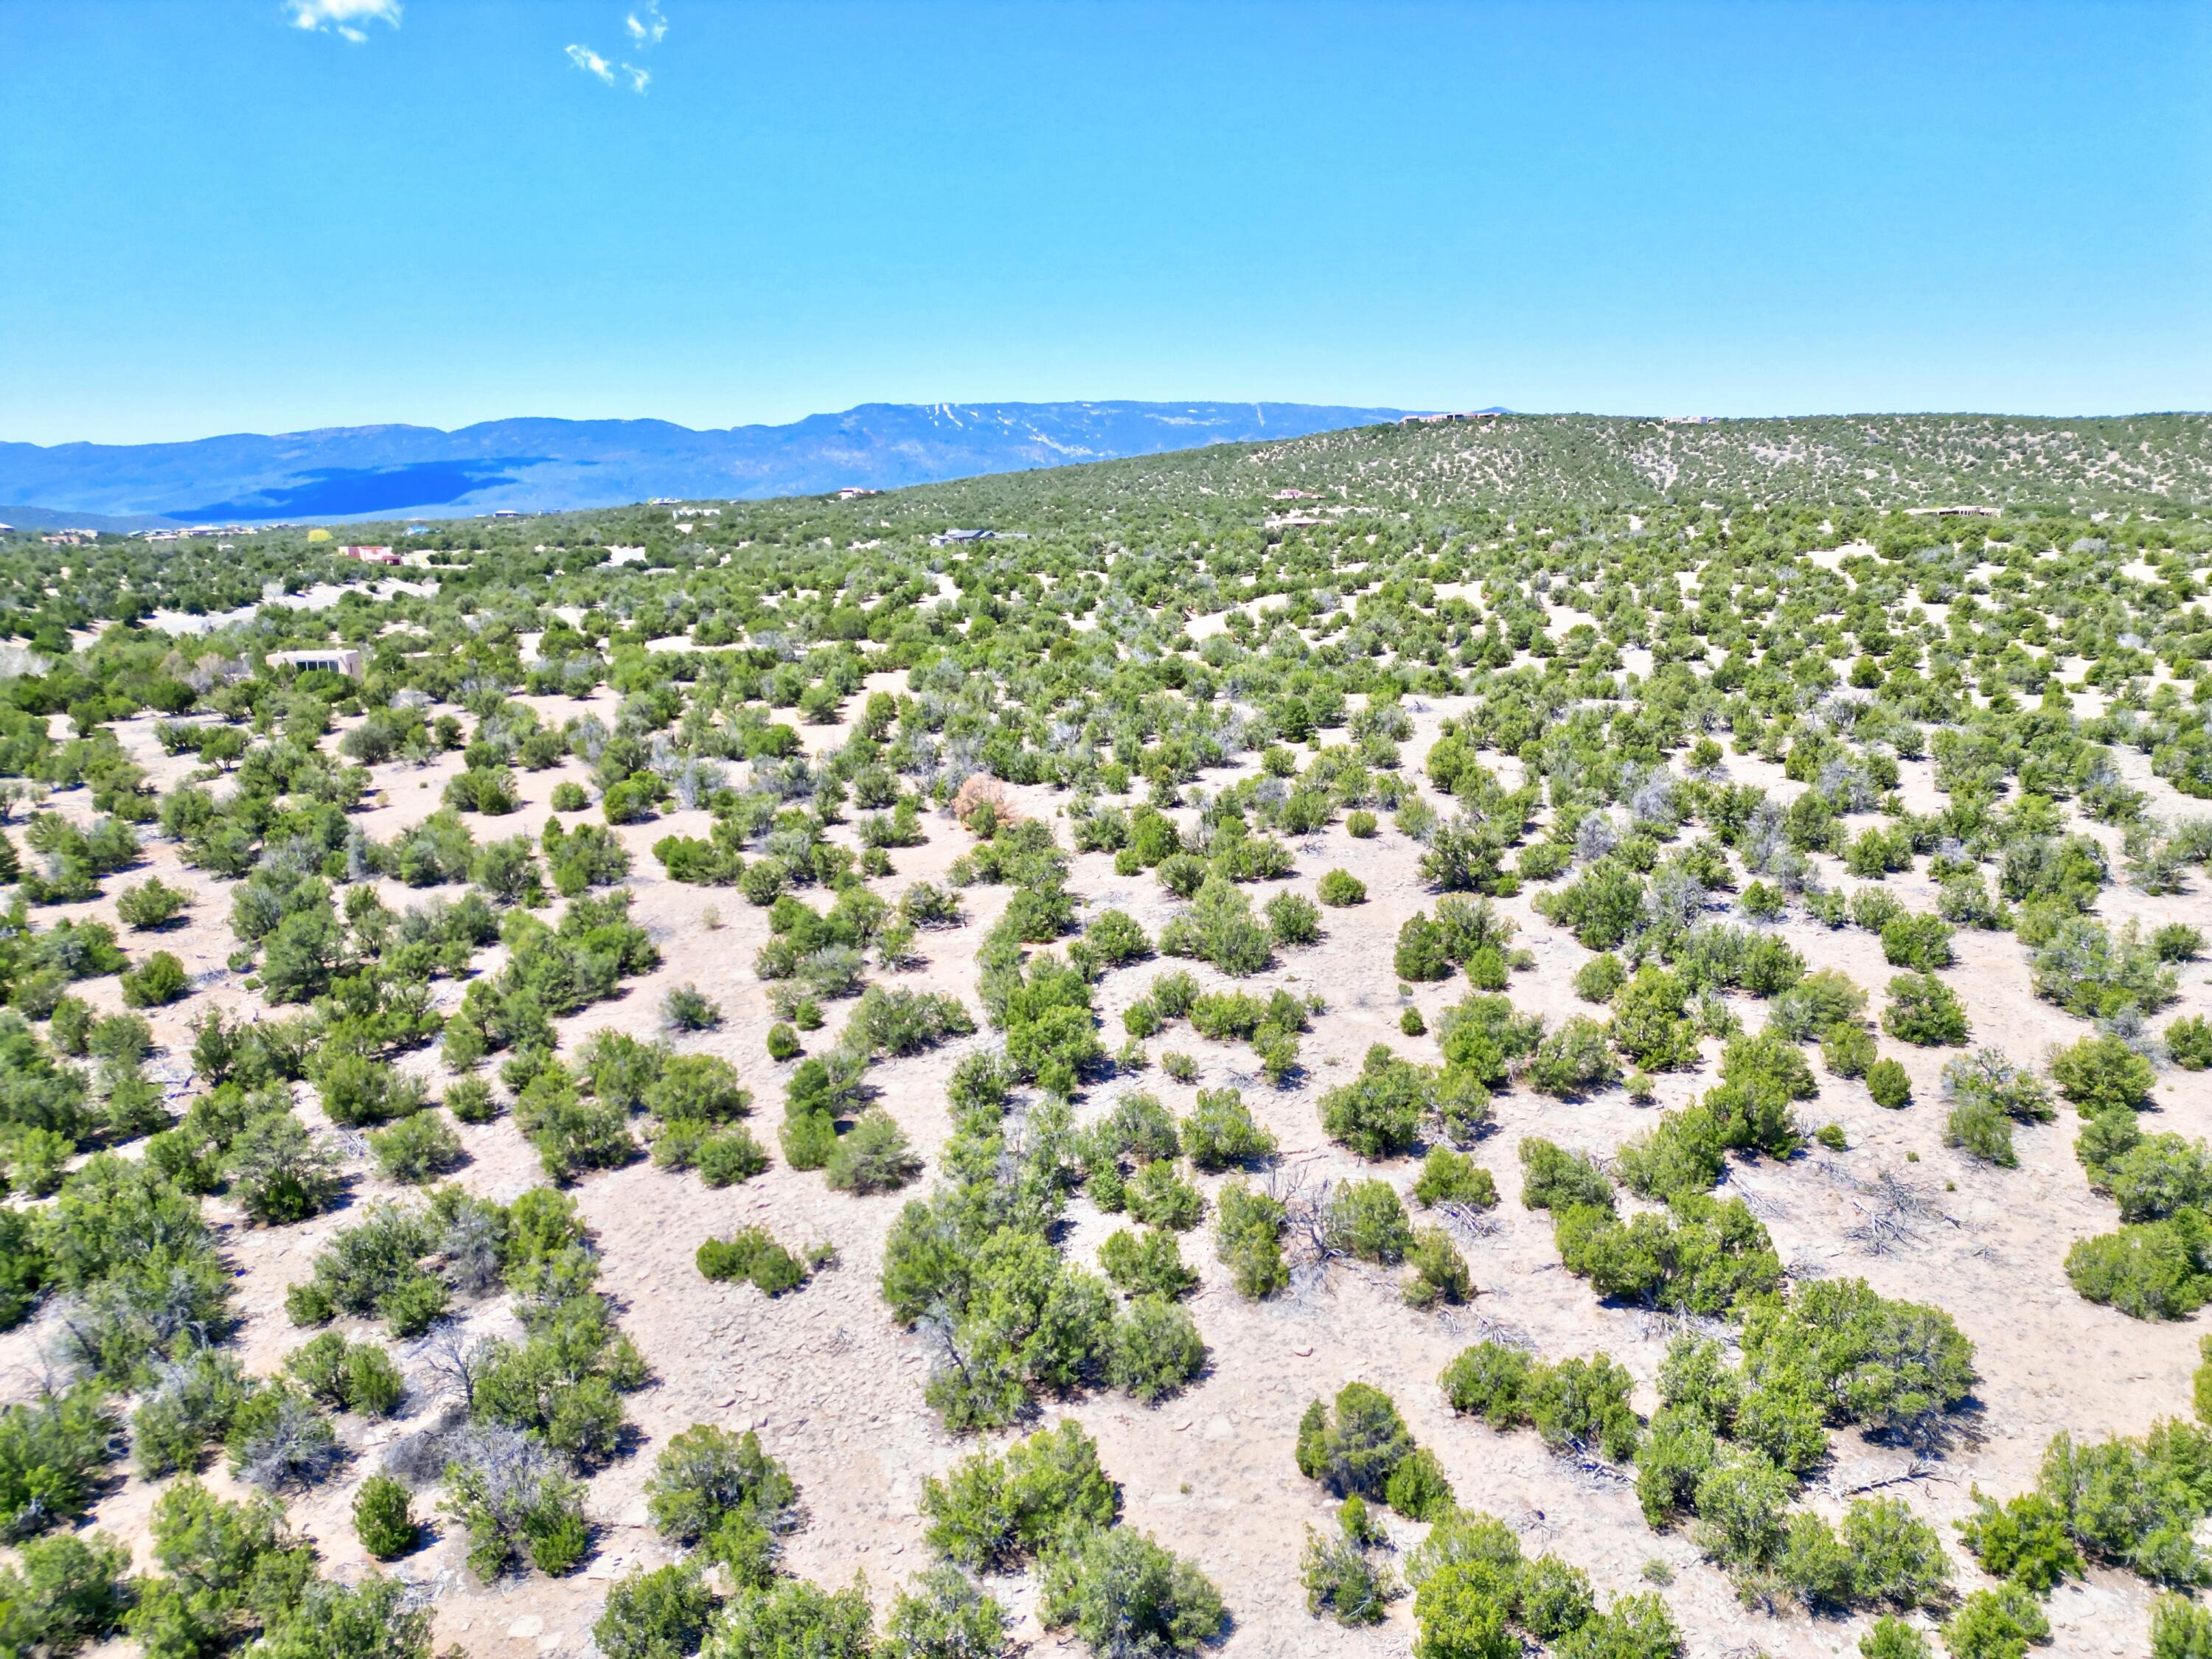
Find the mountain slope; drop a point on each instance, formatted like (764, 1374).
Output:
(1518, 461)
(548, 464)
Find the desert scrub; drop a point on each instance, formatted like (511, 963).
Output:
(1121, 1593)
(1146, 1263)
(753, 1255)
(1576, 1403)
(1154, 1348)
(873, 1156)
(1450, 1176)
(1340, 888)
(1344, 1577)
(1888, 1083)
(1247, 1239)
(1353, 1445)
(417, 1149)
(687, 1008)
(991, 1514)
(1220, 1132)
(383, 1518)
(1925, 1011)
(1439, 1271)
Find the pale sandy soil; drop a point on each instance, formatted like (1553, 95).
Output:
(835, 1387)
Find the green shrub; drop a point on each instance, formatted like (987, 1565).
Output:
(2189, 1042)
(417, 1149)
(782, 1042)
(1159, 1197)
(1557, 1180)
(1921, 942)
(1995, 1623)
(1573, 1060)
(1342, 1577)
(52, 1451)
(1366, 1220)
(656, 1613)
(792, 1617)
(873, 1156)
(1490, 1381)
(1122, 1594)
(727, 1154)
(687, 1008)
(1417, 1488)
(941, 1615)
(151, 905)
(1596, 980)
(1440, 1271)
(1890, 1637)
(1220, 1132)
(470, 1100)
(382, 1519)
(706, 1475)
(1925, 1011)
(2102, 1074)
(512, 1505)
(1355, 1445)
(752, 1253)
(2179, 1629)
(989, 1514)
(1379, 1113)
(1292, 919)
(1147, 1263)
(1848, 1049)
(2025, 1540)
(357, 1376)
(1861, 1356)
(63, 1594)
(1583, 1402)
(2155, 1270)
(1887, 1082)
(1153, 1349)
(155, 982)
(1703, 1257)
(1341, 887)
(1450, 1176)
(1247, 1239)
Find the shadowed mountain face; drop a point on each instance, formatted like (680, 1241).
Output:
(548, 465)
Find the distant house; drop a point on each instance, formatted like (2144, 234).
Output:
(338, 660)
(368, 555)
(950, 537)
(506, 513)
(853, 492)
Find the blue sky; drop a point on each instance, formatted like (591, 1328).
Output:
(233, 215)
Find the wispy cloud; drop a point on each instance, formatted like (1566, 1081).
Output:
(592, 63)
(647, 28)
(348, 18)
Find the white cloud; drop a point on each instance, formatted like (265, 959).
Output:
(648, 29)
(342, 17)
(592, 63)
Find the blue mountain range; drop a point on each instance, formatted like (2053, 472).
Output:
(544, 465)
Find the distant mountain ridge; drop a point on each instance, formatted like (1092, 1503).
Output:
(545, 465)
